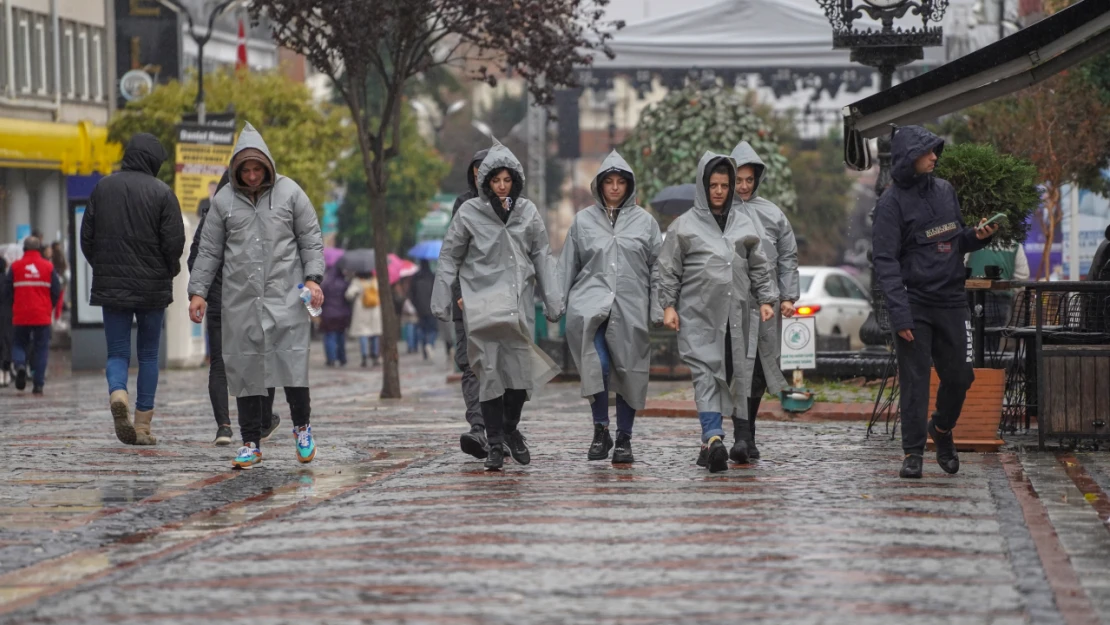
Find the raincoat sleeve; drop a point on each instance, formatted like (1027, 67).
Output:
(547, 272)
(656, 243)
(787, 248)
(210, 254)
(451, 255)
(886, 248)
(666, 277)
(759, 271)
(568, 263)
(306, 228)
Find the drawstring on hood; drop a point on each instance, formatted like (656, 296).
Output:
(908, 144)
(614, 164)
(144, 154)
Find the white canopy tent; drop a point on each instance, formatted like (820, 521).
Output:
(746, 35)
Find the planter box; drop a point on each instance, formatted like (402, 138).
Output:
(977, 429)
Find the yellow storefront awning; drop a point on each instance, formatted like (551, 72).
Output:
(73, 149)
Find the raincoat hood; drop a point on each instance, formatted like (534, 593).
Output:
(144, 153)
(479, 156)
(497, 157)
(909, 144)
(708, 162)
(251, 146)
(614, 163)
(743, 155)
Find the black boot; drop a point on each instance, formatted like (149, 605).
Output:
(911, 467)
(474, 442)
(622, 454)
(946, 448)
(518, 448)
(717, 456)
(363, 362)
(602, 443)
(753, 451)
(741, 432)
(496, 457)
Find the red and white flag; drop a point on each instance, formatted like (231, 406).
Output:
(241, 53)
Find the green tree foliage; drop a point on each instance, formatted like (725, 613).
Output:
(822, 184)
(414, 178)
(304, 137)
(989, 182)
(672, 134)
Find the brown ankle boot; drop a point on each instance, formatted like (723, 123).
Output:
(121, 417)
(142, 428)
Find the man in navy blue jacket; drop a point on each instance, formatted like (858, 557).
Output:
(919, 241)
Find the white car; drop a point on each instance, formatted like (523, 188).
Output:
(836, 300)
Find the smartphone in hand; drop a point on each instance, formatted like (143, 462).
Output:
(994, 218)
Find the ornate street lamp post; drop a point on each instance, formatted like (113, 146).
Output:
(886, 50)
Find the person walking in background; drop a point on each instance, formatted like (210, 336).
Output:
(606, 268)
(5, 324)
(919, 241)
(712, 285)
(336, 317)
(472, 442)
(498, 250)
(781, 249)
(133, 235)
(217, 374)
(61, 268)
(35, 289)
(262, 230)
(421, 295)
(366, 316)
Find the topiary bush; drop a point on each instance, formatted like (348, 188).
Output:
(672, 134)
(988, 182)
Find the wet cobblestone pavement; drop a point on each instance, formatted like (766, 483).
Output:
(392, 524)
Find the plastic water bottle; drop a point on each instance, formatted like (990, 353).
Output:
(306, 297)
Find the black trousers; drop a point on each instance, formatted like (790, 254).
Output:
(470, 386)
(217, 375)
(502, 414)
(759, 388)
(252, 409)
(942, 340)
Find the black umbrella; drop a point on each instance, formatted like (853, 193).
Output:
(674, 200)
(357, 261)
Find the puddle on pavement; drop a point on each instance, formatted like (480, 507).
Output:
(307, 486)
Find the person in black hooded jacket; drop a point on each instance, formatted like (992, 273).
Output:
(132, 235)
(919, 241)
(217, 374)
(474, 441)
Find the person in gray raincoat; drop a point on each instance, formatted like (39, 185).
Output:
(710, 277)
(497, 249)
(262, 228)
(781, 249)
(606, 270)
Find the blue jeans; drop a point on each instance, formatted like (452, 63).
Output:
(335, 347)
(711, 425)
(600, 405)
(36, 340)
(369, 345)
(429, 331)
(117, 331)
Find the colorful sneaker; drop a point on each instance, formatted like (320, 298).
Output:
(306, 446)
(248, 456)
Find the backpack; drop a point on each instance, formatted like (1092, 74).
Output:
(370, 297)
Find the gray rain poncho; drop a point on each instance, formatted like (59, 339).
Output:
(781, 249)
(606, 272)
(716, 281)
(266, 249)
(498, 265)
